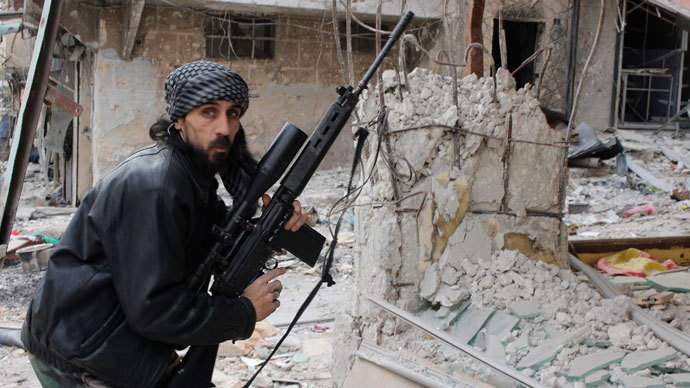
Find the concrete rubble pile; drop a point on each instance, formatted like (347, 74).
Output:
(468, 228)
(564, 304)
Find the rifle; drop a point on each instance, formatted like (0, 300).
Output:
(244, 245)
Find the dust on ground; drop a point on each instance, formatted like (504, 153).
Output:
(314, 336)
(305, 359)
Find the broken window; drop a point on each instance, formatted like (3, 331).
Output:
(240, 37)
(521, 43)
(363, 40)
(652, 67)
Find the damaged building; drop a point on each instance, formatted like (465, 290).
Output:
(460, 229)
(112, 58)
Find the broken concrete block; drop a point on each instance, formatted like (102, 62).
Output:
(450, 275)
(641, 382)
(620, 334)
(680, 379)
(548, 349)
(469, 323)
(644, 359)
(501, 324)
(596, 378)
(525, 309)
(430, 282)
(239, 348)
(676, 281)
(586, 365)
(451, 295)
(290, 344)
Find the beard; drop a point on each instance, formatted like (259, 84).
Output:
(203, 157)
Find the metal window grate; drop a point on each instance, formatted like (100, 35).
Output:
(240, 37)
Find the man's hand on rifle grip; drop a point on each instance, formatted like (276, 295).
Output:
(264, 293)
(296, 220)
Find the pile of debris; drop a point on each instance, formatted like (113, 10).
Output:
(469, 237)
(546, 322)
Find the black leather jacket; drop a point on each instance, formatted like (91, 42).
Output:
(115, 300)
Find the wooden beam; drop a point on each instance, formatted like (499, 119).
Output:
(131, 17)
(475, 59)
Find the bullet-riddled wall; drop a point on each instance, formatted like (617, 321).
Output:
(297, 85)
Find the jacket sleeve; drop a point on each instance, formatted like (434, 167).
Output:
(144, 235)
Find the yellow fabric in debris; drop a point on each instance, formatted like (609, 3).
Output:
(632, 259)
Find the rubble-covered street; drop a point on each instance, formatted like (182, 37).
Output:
(518, 214)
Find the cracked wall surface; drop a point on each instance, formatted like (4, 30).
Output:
(297, 85)
(456, 193)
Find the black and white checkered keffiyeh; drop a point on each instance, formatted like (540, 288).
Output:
(198, 83)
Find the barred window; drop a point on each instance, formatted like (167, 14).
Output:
(230, 37)
(363, 40)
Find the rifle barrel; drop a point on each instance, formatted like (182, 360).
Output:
(399, 28)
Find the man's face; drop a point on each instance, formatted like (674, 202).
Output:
(210, 129)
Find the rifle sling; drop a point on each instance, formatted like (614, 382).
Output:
(325, 274)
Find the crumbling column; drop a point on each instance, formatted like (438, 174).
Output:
(475, 180)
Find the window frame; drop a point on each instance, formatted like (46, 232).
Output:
(261, 31)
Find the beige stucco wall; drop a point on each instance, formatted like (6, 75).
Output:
(296, 86)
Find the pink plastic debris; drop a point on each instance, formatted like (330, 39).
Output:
(319, 329)
(648, 209)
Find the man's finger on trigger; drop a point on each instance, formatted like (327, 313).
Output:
(265, 199)
(297, 206)
(272, 274)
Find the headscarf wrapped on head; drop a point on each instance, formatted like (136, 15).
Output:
(197, 83)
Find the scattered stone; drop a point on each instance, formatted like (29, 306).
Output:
(620, 334)
(525, 309)
(292, 343)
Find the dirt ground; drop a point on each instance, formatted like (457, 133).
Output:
(305, 359)
(310, 341)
